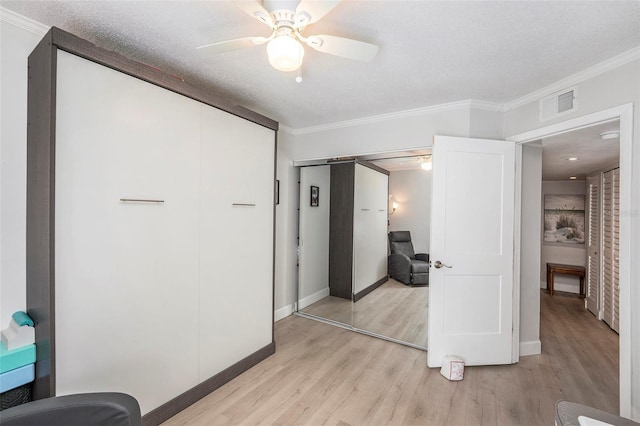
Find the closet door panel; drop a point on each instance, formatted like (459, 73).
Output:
(236, 240)
(593, 244)
(615, 207)
(611, 254)
(126, 273)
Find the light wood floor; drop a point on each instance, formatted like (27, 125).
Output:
(393, 310)
(325, 375)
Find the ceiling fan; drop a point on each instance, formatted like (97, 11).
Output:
(287, 20)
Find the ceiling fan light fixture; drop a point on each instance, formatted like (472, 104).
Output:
(285, 53)
(425, 162)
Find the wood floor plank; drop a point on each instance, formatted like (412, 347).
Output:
(392, 310)
(325, 375)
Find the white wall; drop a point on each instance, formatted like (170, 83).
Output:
(15, 45)
(411, 189)
(393, 132)
(286, 270)
(531, 228)
(416, 130)
(314, 236)
(485, 124)
(566, 254)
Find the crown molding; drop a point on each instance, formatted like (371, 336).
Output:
(452, 106)
(23, 22)
(572, 80)
(286, 129)
(485, 105)
(575, 79)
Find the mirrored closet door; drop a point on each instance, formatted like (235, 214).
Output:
(347, 209)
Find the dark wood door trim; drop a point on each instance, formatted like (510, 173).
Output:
(40, 236)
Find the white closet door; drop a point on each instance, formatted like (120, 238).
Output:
(369, 232)
(236, 239)
(616, 251)
(610, 255)
(593, 244)
(126, 273)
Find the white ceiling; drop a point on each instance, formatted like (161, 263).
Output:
(431, 52)
(587, 145)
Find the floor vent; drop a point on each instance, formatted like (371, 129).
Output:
(558, 104)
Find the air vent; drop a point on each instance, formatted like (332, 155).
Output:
(559, 103)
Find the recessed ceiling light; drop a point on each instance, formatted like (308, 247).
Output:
(572, 158)
(573, 177)
(610, 135)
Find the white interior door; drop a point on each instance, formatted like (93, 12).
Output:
(593, 244)
(472, 220)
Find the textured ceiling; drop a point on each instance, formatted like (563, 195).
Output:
(430, 52)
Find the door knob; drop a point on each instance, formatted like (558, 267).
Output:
(439, 265)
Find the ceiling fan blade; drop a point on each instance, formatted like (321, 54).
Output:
(344, 47)
(229, 45)
(256, 10)
(314, 9)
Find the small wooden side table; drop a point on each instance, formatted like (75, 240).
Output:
(558, 268)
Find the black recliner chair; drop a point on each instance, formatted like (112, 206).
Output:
(405, 265)
(87, 409)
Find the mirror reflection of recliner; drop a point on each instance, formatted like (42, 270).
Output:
(405, 265)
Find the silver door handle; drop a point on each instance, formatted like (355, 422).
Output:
(439, 265)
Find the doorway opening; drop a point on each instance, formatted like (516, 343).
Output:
(624, 115)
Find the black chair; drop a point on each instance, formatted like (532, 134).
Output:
(87, 409)
(405, 265)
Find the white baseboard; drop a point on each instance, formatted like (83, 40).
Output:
(283, 312)
(310, 300)
(533, 347)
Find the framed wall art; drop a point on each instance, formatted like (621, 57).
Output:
(315, 196)
(564, 219)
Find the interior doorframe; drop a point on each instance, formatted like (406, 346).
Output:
(624, 113)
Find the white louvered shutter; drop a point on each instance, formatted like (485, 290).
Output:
(593, 244)
(610, 255)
